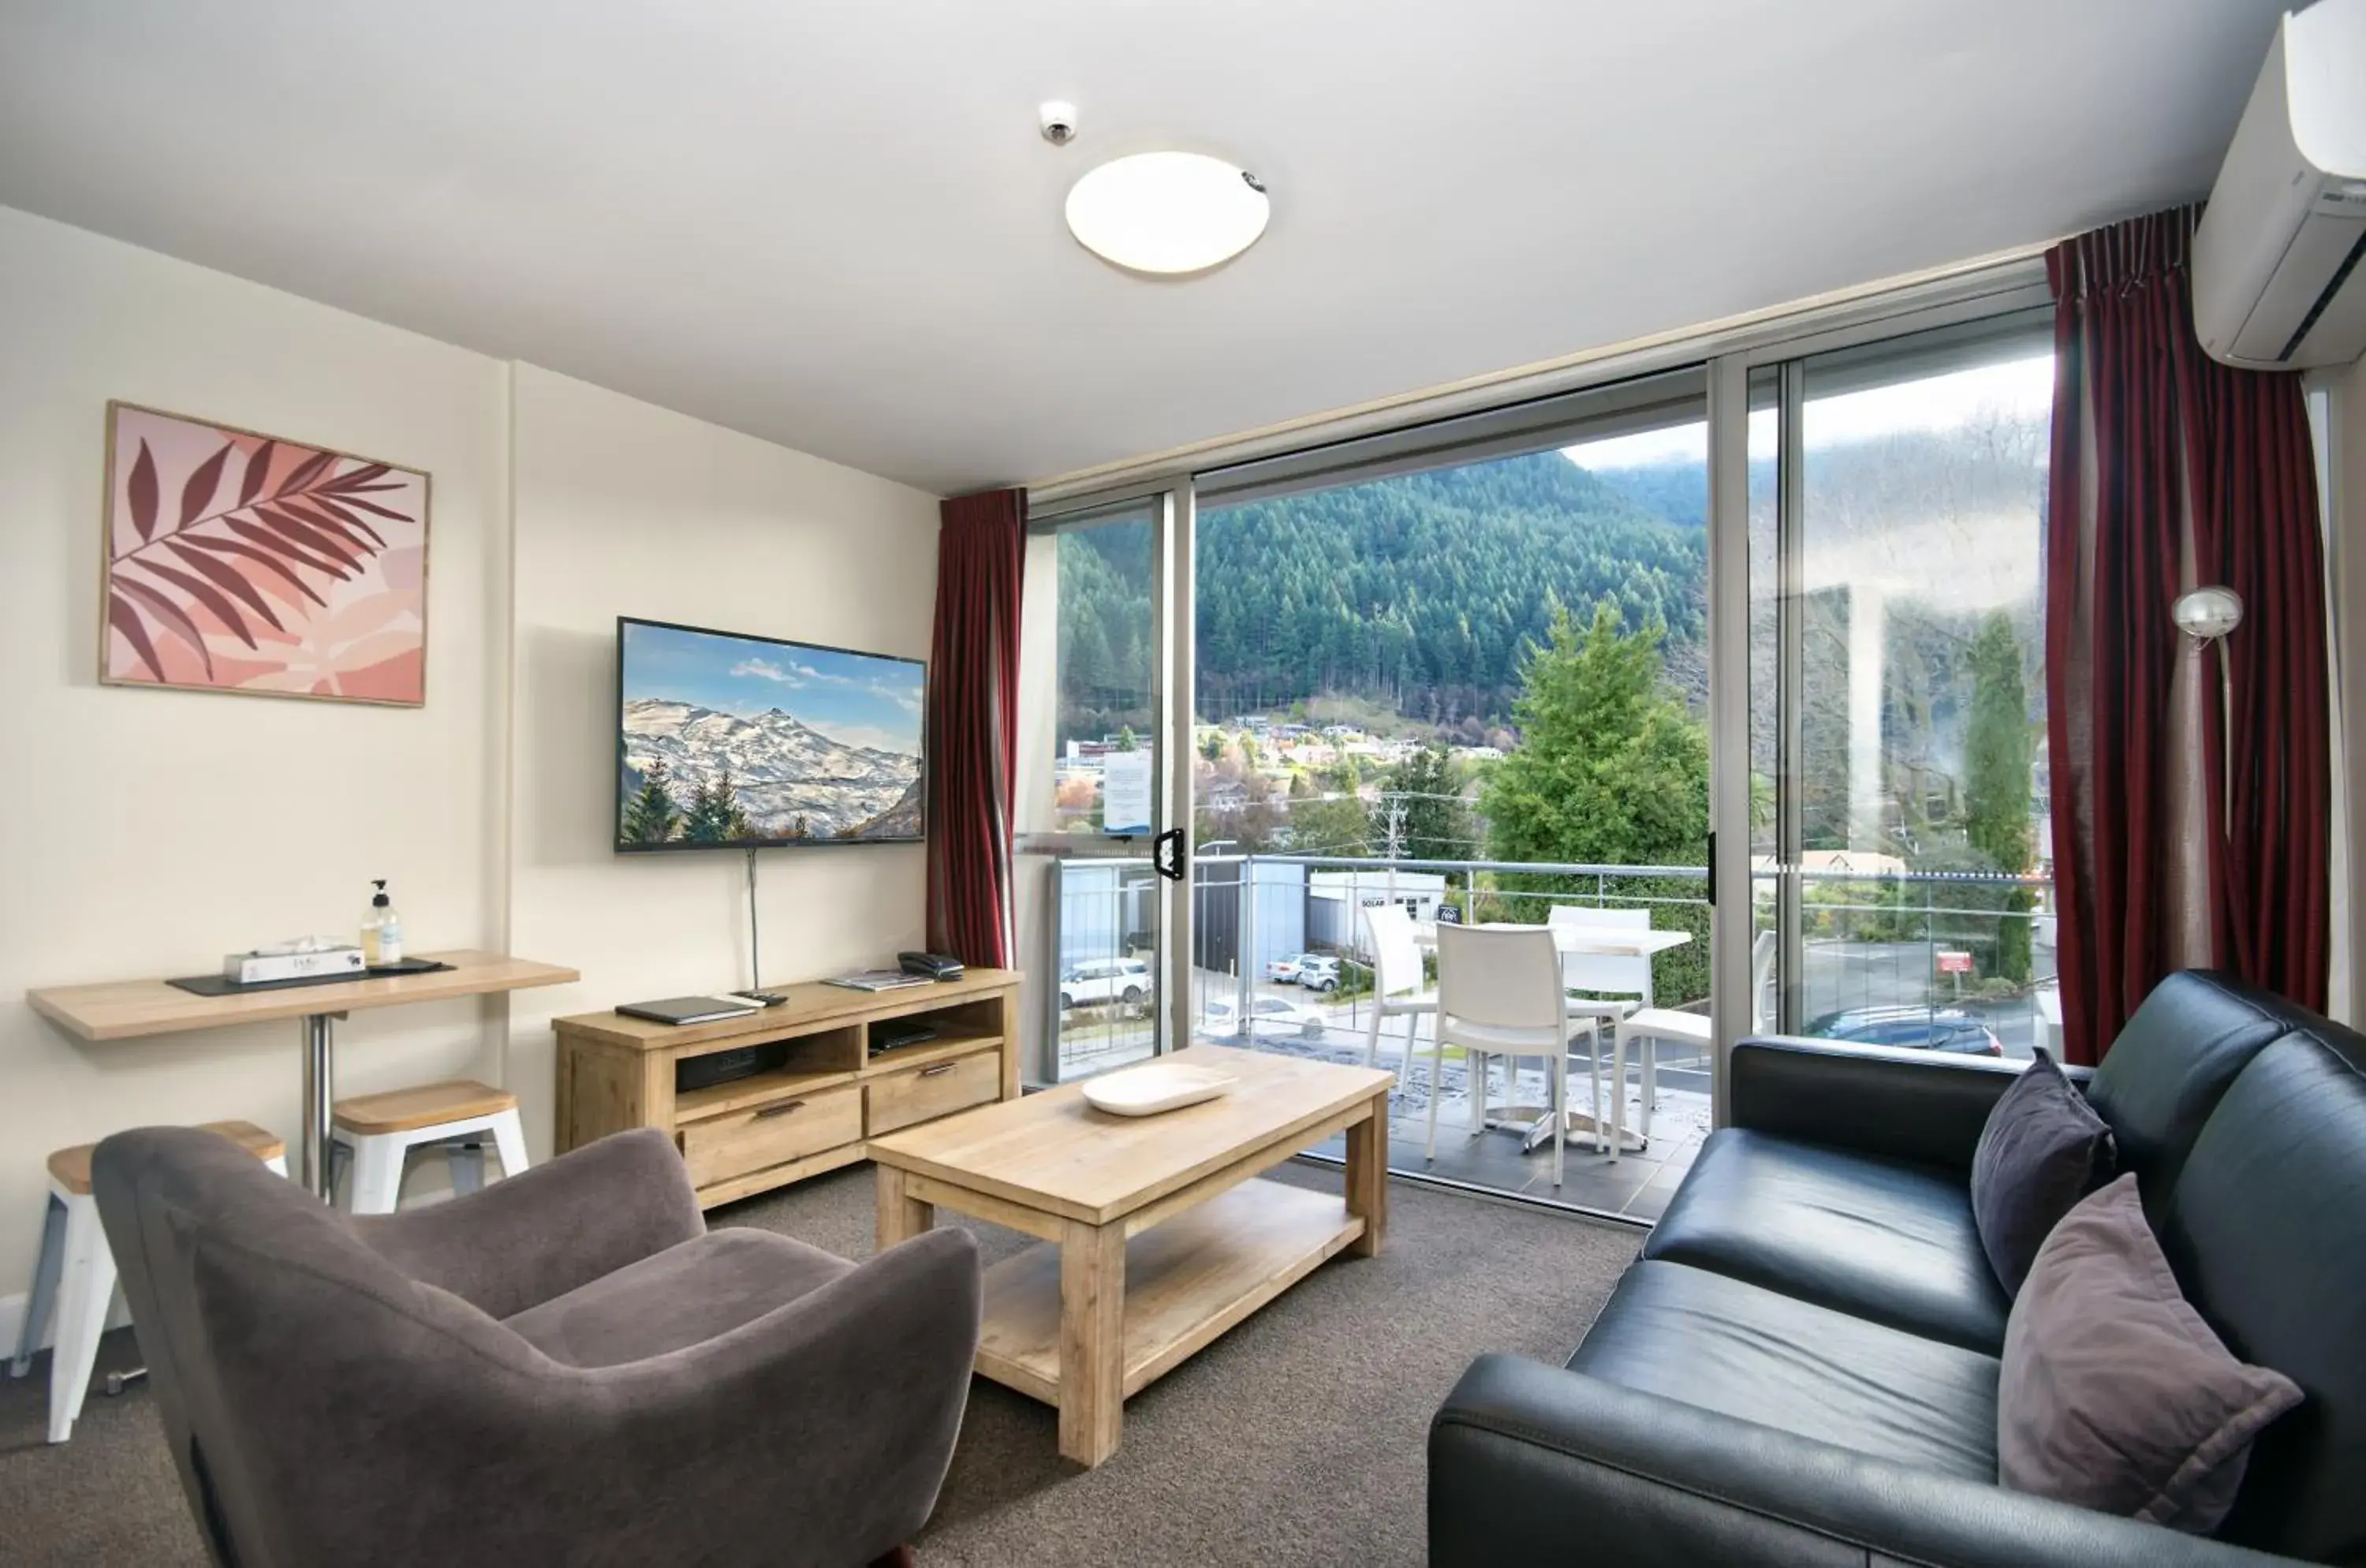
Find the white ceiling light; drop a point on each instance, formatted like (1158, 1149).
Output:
(1167, 213)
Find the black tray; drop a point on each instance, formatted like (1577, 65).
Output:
(223, 986)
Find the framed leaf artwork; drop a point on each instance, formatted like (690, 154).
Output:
(243, 562)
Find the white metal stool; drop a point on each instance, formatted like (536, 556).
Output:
(373, 1134)
(76, 1273)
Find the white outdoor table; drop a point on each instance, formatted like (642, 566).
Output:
(1604, 941)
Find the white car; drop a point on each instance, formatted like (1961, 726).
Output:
(1267, 1015)
(1284, 970)
(1318, 974)
(1097, 982)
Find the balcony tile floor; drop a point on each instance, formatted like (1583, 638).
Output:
(1637, 1186)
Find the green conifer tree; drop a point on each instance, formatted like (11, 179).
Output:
(715, 816)
(1999, 747)
(1611, 769)
(650, 816)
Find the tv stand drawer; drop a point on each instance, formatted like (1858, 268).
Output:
(792, 1127)
(937, 1090)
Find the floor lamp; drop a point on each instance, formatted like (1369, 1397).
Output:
(2208, 616)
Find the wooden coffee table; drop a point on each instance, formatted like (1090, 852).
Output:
(1156, 1237)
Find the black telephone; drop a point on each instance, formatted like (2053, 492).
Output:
(932, 965)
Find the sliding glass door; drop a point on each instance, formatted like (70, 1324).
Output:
(1515, 665)
(1898, 834)
(1090, 793)
(1460, 670)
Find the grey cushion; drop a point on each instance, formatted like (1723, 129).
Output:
(1688, 1335)
(681, 1296)
(2043, 1150)
(1875, 1237)
(2114, 1394)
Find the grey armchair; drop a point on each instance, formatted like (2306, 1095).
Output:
(567, 1367)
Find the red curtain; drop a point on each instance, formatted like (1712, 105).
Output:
(2256, 529)
(973, 725)
(2148, 431)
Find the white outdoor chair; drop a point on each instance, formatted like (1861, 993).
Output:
(1606, 979)
(1499, 994)
(1651, 1025)
(1397, 992)
(1604, 987)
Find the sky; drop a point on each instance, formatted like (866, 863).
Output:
(1935, 402)
(857, 699)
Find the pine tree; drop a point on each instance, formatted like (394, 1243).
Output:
(1612, 769)
(651, 816)
(735, 820)
(1999, 747)
(714, 817)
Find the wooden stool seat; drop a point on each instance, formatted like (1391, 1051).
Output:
(429, 1105)
(69, 1169)
(74, 1280)
(373, 1135)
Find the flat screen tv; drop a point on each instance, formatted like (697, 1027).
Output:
(726, 741)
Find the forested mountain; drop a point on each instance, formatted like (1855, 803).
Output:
(1420, 593)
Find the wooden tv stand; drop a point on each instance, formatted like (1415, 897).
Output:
(813, 1109)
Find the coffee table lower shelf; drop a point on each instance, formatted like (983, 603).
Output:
(1188, 1280)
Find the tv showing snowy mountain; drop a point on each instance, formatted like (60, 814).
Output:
(739, 741)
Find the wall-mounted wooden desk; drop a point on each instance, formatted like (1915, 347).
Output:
(131, 1009)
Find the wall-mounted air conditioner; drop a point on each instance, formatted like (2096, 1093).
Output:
(2278, 281)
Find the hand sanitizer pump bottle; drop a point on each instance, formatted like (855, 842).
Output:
(381, 930)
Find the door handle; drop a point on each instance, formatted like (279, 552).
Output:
(767, 1113)
(939, 1070)
(1167, 854)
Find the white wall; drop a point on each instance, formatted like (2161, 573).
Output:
(625, 509)
(149, 832)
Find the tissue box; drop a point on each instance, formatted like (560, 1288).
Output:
(256, 968)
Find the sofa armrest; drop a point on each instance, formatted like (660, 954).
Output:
(1532, 1464)
(1927, 1106)
(548, 1229)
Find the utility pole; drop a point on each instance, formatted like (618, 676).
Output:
(1396, 809)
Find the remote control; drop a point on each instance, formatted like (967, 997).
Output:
(761, 998)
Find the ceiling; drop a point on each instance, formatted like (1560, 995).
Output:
(831, 222)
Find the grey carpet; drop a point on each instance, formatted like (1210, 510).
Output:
(1297, 1438)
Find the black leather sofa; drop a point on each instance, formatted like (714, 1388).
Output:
(1801, 1366)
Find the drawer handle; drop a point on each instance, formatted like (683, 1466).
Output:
(768, 1111)
(940, 1068)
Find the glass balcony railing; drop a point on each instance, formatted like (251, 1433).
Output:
(1943, 961)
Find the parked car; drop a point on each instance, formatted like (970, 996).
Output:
(1284, 970)
(1097, 982)
(1267, 1015)
(1317, 972)
(1918, 1029)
